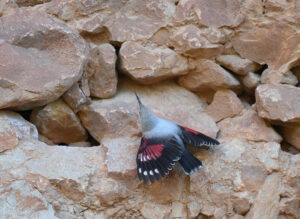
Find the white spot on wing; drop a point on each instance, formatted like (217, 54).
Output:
(151, 172)
(145, 173)
(140, 170)
(156, 171)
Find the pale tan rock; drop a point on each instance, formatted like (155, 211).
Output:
(266, 204)
(274, 42)
(268, 155)
(8, 140)
(248, 126)
(241, 205)
(151, 65)
(291, 134)
(118, 117)
(120, 156)
(65, 176)
(15, 127)
(232, 171)
(139, 20)
(251, 80)
(22, 200)
(276, 77)
(151, 210)
(213, 13)
(77, 97)
(85, 16)
(101, 71)
(280, 7)
(208, 76)
(35, 47)
(225, 104)
(189, 41)
(57, 122)
(252, 8)
(237, 64)
(278, 102)
(178, 210)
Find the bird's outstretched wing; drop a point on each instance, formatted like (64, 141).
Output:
(156, 157)
(195, 138)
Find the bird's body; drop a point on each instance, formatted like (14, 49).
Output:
(162, 145)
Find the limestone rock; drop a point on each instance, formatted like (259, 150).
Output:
(120, 156)
(237, 64)
(251, 80)
(274, 42)
(275, 77)
(232, 173)
(151, 65)
(118, 117)
(13, 128)
(101, 71)
(34, 67)
(266, 204)
(208, 75)
(77, 96)
(213, 13)
(292, 135)
(57, 122)
(139, 20)
(278, 102)
(188, 40)
(225, 104)
(248, 126)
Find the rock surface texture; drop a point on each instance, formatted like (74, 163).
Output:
(69, 120)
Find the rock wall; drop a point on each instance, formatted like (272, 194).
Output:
(69, 122)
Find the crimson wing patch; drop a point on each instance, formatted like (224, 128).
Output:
(156, 157)
(195, 138)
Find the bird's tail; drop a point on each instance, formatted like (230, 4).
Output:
(189, 163)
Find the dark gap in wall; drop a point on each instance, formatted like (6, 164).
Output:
(260, 71)
(25, 114)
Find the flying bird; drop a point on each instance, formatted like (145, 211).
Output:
(162, 145)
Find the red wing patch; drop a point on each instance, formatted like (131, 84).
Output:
(191, 130)
(156, 157)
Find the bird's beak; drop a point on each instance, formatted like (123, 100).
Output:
(138, 99)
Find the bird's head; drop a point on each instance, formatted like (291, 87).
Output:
(148, 120)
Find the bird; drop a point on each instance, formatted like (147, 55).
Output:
(162, 144)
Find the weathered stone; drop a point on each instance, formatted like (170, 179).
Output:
(151, 210)
(140, 19)
(237, 64)
(291, 134)
(232, 171)
(266, 204)
(101, 71)
(14, 126)
(34, 67)
(248, 126)
(208, 76)
(120, 155)
(57, 122)
(178, 210)
(150, 65)
(274, 42)
(77, 97)
(188, 40)
(225, 104)
(275, 77)
(213, 13)
(241, 205)
(251, 80)
(278, 102)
